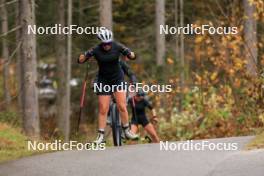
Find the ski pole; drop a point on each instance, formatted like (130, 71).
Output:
(134, 108)
(84, 85)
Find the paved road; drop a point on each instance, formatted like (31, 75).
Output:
(142, 160)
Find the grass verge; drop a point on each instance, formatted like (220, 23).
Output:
(13, 144)
(257, 142)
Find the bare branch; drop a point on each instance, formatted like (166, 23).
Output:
(12, 55)
(8, 3)
(221, 9)
(10, 31)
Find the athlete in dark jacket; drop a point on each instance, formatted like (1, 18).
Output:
(110, 74)
(138, 106)
(126, 70)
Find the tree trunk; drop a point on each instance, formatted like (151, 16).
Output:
(81, 13)
(5, 53)
(250, 37)
(28, 65)
(177, 51)
(106, 14)
(19, 69)
(160, 38)
(68, 73)
(63, 95)
(182, 60)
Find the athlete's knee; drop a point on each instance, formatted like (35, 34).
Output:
(103, 110)
(122, 107)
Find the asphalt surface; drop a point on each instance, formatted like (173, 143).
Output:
(142, 160)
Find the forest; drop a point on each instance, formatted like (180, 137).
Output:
(217, 78)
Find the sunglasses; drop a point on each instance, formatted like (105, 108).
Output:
(106, 44)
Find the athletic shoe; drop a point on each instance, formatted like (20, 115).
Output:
(100, 139)
(130, 135)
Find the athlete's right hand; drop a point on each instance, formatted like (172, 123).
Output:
(81, 58)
